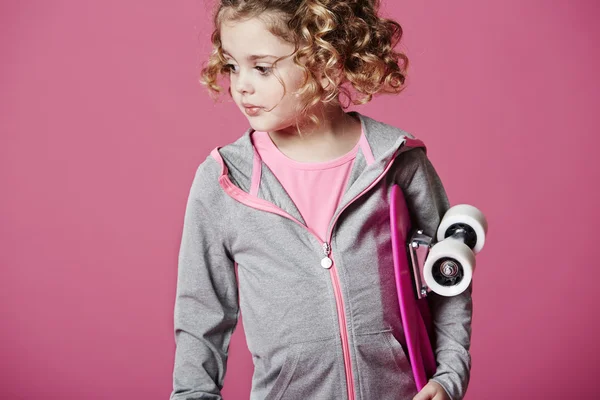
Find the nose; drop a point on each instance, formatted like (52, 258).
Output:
(243, 84)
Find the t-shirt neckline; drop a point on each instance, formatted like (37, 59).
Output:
(311, 165)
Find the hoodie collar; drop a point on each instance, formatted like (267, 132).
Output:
(243, 170)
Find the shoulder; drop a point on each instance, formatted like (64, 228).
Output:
(207, 171)
(409, 162)
(205, 185)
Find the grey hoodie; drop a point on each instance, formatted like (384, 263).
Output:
(313, 332)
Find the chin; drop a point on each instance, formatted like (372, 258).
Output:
(263, 123)
(257, 125)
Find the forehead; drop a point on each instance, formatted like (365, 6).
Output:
(251, 37)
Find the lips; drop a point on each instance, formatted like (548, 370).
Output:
(251, 109)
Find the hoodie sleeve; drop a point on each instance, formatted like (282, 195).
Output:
(206, 304)
(451, 316)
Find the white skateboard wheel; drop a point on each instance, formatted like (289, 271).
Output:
(449, 267)
(470, 219)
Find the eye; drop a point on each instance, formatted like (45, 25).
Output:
(264, 70)
(227, 68)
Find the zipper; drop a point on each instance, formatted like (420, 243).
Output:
(327, 262)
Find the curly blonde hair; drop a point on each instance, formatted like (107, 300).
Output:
(344, 40)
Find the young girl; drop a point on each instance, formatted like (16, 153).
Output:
(300, 204)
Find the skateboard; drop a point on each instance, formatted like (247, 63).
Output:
(422, 265)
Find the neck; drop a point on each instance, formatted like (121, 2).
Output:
(337, 134)
(335, 124)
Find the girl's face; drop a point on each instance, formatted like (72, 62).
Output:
(250, 50)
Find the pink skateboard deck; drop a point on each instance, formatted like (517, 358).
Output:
(415, 315)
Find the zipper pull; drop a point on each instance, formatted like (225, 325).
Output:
(326, 262)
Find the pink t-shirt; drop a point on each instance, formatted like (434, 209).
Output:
(315, 188)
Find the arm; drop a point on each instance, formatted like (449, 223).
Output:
(451, 316)
(206, 304)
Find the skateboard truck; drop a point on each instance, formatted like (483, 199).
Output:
(418, 248)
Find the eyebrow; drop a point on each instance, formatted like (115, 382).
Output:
(253, 56)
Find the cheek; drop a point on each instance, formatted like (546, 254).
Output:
(269, 89)
(294, 84)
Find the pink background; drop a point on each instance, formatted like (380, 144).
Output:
(103, 123)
